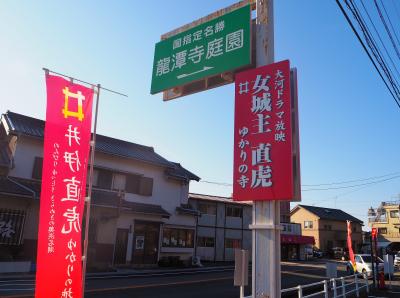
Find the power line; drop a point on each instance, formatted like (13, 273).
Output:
(387, 81)
(351, 181)
(394, 174)
(351, 186)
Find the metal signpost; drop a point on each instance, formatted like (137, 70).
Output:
(213, 47)
(208, 53)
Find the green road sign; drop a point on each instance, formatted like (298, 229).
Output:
(220, 45)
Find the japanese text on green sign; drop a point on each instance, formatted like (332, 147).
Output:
(216, 46)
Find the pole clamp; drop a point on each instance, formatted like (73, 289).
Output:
(87, 199)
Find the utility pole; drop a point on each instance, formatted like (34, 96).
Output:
(266, 230)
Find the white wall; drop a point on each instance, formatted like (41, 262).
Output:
(168, 193)
(26, 151)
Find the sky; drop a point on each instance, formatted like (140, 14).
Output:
(349, 123)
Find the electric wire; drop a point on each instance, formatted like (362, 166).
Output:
(380, 39)
(373, 46)
(387, 81)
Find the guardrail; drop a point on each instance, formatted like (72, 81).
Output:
(338, 287)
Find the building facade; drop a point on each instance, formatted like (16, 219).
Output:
(223, 226)
(140, 212)
(328, 226)
(386, 220)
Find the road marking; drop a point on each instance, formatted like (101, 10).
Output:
(141, 286)
(184, 75)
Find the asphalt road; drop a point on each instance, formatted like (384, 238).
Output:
(213, 283)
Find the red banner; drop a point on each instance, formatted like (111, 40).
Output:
(263, 161)
(350, 246)
(66, 152)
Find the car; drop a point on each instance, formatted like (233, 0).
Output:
(397, 259)
(338, 253)
(317, 253)
(363, 265)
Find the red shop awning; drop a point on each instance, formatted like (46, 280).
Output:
(297, 239)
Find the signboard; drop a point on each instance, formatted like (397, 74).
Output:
(66, 152)
(374, 233)
(263, 157)
(213, 47)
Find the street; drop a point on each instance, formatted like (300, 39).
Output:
(214, 282)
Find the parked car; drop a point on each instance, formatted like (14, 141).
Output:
(317, 253)
(338, 253)
(397, 259)
(363, 264)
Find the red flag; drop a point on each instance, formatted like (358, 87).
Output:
(350, 246)
(263, 160)
(65, 161)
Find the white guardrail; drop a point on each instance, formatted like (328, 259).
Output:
(338, 287)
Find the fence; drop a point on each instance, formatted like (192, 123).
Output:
(335, 287)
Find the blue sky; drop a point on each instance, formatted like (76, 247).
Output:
(349, 124)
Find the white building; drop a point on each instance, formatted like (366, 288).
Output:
(140, 211)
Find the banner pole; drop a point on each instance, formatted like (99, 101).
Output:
(89, 195)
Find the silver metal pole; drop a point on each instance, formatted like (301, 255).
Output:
(266, 270)
(89, 197)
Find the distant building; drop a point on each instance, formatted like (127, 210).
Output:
(139, 198)
(328, 226)
(223, 225)
(386, 220)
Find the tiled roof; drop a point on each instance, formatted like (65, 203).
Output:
(329, 213)
(113, 199)
(14, 188)
(187, 210)
(28, 126)
(24, 187)
(217, 199)
(181, 173)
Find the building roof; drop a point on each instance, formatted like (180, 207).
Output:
(181, 173)
(23, 125)
(217, 199)
(12, 187)
(114, 199)
(328, 213)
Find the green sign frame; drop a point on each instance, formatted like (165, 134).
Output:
(213, 47)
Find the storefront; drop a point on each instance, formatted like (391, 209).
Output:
(293, 247)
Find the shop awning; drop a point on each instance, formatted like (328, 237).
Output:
(296, 239)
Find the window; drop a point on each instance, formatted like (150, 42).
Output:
(37, 168)
(326, 227)
(205, 242)
(178, 238)
(382, 230)
(233, 243)
(394, 214)
(233, 211)
(210, 209)
(139, 185)
(354, 229)
(119, 181)
(308, 224)
(146, 186)
(287, 227)
(132, 183)
(104, 179)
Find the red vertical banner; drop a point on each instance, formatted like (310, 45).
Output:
(65, 162)
(350, 246)
(263, 160)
